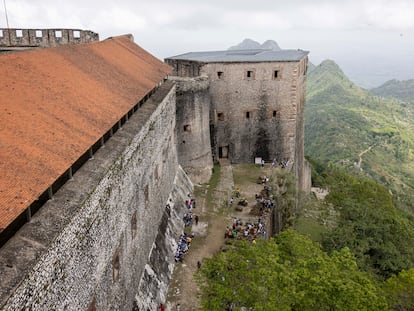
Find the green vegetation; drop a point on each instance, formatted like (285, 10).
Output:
(399, 290)
(289, 272)
(403, 90)
(378, 234)
(348, 126)
(214, 180)
(354, 253)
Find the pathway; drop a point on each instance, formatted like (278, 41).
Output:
(362, 153)
(207, 242)
(209, 233)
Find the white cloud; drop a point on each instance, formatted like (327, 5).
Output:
(398, 15)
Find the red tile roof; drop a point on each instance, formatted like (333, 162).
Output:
(56, 103)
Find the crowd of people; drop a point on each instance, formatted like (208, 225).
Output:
(248, 230)
(184, 243)
(185, 239)
(253, 229)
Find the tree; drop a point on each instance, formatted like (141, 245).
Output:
(400, 290)
(288, 272)
(380, 236)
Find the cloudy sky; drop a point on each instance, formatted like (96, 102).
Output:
(372, 40)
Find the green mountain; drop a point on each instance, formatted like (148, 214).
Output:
(347, 125)
(398, 89)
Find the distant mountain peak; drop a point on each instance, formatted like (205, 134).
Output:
(328, 75)
(249, 44)
(271, 45)
(330, 66)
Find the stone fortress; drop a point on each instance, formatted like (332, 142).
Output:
(100, 145)
(255, 103)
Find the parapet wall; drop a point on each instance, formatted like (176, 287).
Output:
(89, 246)
(31, 38)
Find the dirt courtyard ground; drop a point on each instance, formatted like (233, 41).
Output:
(215, 213)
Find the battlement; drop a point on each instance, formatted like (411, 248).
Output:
(19, 39)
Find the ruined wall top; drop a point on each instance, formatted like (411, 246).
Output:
(19, 39)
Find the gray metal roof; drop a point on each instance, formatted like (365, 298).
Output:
(243, 56)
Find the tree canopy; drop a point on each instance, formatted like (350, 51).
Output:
(289, 272)
(380, 235)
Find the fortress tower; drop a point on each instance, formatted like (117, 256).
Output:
(256, 103)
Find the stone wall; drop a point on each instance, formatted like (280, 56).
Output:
(89, 247)
(193, 134)
(257, 111)
(184, 68)
(15, 38)
(301, 167)
(254, 112)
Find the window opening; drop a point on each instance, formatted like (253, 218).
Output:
(19, 33)
(58, 34)
(134, 225)
(38, 33)
(247, 114)
(76, 34)
(220, 116)
(1, 33)
(274, 113)
(187, 128)
(115, 266)
(220, 74)
(275, 74)
(146, 193)
(249, 74)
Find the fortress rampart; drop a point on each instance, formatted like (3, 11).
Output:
(105, 240)
(94, 244)
(15, 38)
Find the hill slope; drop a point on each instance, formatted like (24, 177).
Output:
(398, 89)
(347, 125)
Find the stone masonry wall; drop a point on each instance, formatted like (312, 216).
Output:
(193, 131)
(301, 167)
(256, 115)
(88, 247)
(14, 37)
(158, 271)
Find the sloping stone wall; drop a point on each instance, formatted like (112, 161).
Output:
(88, 247)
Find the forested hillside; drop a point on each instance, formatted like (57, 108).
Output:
(403, 90)
(346, 125)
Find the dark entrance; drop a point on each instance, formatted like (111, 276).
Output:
(224, 152)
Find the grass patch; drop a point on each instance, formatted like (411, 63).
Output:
(214, 180)
(310, 227)
(244, 174)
